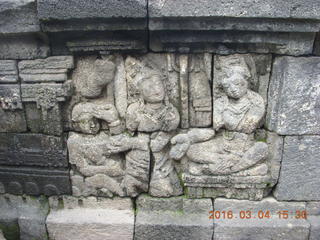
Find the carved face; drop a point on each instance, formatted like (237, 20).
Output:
(235, 85)
(152, 89)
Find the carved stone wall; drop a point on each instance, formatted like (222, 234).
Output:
(142, 119)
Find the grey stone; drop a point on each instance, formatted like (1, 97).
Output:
(300, 169)
(18, 16)
(314, 227)
(249, 220)
(12, 117)
(297, 9)
(51, 69)
(33, 150)
(235, 106)
(293, 105)
(173, 218)
(164, 178)
(66, 9)
(229, 42)
(93, 219)
(8, 71)
(43, 103)
(221, 164)
(34, 181)
(92, 75)
(313, 208)
(28, 212)
(24, 46)
(101, 168)
(1, 235)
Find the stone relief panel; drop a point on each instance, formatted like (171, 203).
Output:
(158, 123)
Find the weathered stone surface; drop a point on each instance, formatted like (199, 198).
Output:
(12, 117)
(249, 220)
(298, 9)
(34, 181)
(8, 71)
(300, 169)
(229, 42)
(33, 150)
(173, 218)
(93, 219)
(51, 69)
(18, 16)
(293, 107)
(66, 9)
(28, 214)
(43, 103)
(313, 208)
(101, 169)
(24, 46)
(231, 164)
(235, 106)
(314, 227)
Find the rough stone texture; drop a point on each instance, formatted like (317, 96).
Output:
(300, 169)
(235, 106)
(298, 9)
(23, 46)
(12, 117)
(34, 181)
(313, 208)
(94, 219)
(18, 16)
(293, 107)
(66, 9)
(173, 218)
(51, 69)
(314, 228)
(33, 150)
(23, 217)
(102, 169)
(229, 42)
(211, 169)
(43, 103)
(8, 71)
(253, 227)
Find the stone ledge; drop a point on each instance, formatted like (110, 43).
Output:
(90, 218)
(173, 218)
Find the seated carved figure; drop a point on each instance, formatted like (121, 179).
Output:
(153, 112)
(236, 108)
(226, 153)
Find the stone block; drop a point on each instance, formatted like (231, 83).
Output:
(300, 168)
(8, 71)
(33, 150)
(18, 16)
(313, 208)
(249, 220)
(43, 103)
(314, 227)
(293, 105)
(12, 117)
(299, 9)
(34, 181)
(27, 214)
(173, 218)
(69, 10)
(51, 69)
(90, 218)
(230, 42)
(24, 46)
